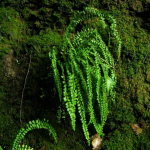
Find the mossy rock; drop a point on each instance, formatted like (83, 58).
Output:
(12, 30)
(11, 26)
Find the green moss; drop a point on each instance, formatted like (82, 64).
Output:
(11, 25)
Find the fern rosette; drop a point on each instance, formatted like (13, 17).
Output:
(88, 67)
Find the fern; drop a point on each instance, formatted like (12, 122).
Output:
(87, 68)
(35, 124)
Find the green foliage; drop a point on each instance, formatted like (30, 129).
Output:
(86, 59)
(35, 124)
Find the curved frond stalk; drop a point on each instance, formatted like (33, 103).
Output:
(34, 124)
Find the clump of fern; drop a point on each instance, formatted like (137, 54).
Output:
(87, 69)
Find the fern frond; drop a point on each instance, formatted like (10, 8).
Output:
(56, 72)
(34, 124)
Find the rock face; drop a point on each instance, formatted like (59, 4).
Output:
(8, 64)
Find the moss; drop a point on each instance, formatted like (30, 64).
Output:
(148, 73)
(11, 25)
